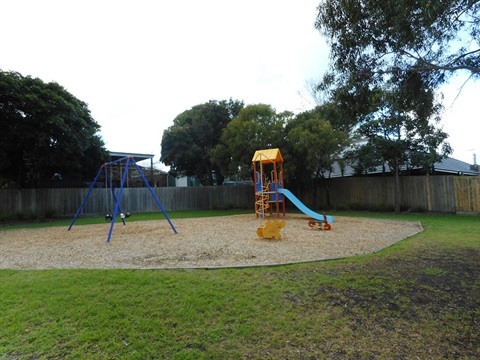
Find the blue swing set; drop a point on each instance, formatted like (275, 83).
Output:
(128, 160)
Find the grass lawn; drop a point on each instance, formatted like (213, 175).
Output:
(418, 299)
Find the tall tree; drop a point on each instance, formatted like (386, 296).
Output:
(256, 127)
(315, 145)
(375, 42)
(381, 37)
(388, 57)
(403, 132)
(186, 145)
(45, 130)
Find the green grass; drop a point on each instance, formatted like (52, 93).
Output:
(417, 299)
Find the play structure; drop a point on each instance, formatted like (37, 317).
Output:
(128, 160)
(268, 176)
(320, 224)
(271, 229)
(270, 194)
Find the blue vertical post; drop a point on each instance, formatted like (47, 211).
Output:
(119, 197)
(154, 196)
(113, 193)
(117, 204)
(86, 197)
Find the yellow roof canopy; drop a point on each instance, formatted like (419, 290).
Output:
(267, 156)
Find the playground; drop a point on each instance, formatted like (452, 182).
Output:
(259, 239)
(223, 241)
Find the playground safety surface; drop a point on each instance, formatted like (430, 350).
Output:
(213, 242)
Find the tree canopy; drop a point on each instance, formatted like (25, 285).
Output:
(45, 131)
(256, 127)
(387, 60)
(376, 37)
(314, 143)
(186, 145)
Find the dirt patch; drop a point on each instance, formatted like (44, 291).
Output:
(200, 243)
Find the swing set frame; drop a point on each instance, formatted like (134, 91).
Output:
(128, 160)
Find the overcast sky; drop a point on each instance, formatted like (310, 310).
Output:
(138, 64)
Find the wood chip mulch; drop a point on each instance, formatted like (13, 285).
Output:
(213, 242)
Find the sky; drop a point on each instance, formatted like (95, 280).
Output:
(140, 64)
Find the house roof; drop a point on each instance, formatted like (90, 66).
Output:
(446, 166)
(267, 156)
(138, 157)
(455, 166)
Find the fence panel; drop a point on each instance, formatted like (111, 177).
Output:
(429, 193)
(467, 190)
(366, 192)
(414, 193)
(443, 193)
(66, 202)
(432, 193)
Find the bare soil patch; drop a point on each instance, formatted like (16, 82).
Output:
(229, 241)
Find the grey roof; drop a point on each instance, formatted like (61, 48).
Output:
(138, 157)
(455, 166)
(448, 165)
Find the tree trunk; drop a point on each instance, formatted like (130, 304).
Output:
(327, 194)
(397, 190)
(314, 183)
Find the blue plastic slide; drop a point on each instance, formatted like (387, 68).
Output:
(301, 206)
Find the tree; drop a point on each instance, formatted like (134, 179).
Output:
(373, 43)
(313, 139)
(388, 57)
(45, 130)
(186, 145)
(315, 145)
(378, 37)
(403, 130)
(256, 127)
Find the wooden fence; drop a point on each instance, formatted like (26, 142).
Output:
(450, 194)
(66, 202)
